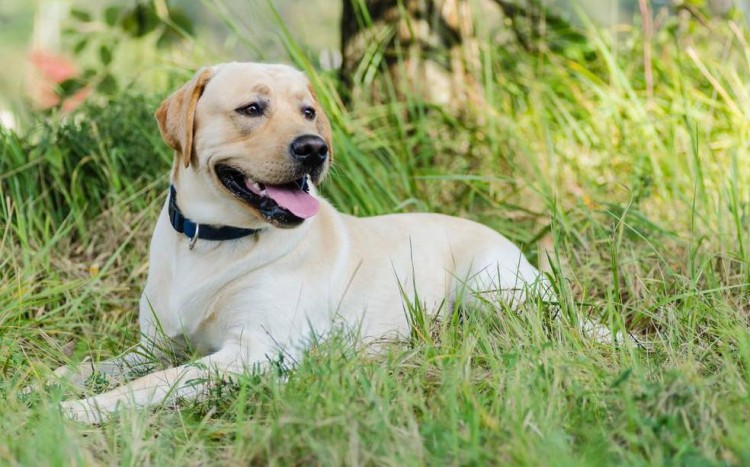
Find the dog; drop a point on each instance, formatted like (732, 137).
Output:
(247, 260)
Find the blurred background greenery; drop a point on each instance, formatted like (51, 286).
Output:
(135, 42)
(132, 43)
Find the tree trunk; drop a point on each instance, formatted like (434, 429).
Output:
(427, 48)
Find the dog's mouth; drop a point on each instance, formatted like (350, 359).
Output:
(284, 205)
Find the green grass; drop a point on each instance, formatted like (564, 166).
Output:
(647, 200)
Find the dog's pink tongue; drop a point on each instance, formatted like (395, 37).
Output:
(293, 199)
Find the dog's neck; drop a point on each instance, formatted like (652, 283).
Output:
(195, 230)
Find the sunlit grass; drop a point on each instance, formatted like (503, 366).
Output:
(647, 200)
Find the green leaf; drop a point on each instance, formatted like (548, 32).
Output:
(105, 54)
(140, 21)
(108, 85)
(70, 86)
(80, 15)
(111, 15)
(80, 45)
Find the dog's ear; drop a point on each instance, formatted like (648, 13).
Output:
(176, 115)
(322, 124)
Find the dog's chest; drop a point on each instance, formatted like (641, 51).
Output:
(185, 293)
(207, 302)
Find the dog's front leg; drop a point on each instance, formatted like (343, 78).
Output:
(186, 381)
(77, 375)
(131, 362)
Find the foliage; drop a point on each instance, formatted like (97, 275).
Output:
(73, 169)
(648, 197)
(105, 35)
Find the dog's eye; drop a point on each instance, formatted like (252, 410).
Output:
(252, 110)
(308, 112)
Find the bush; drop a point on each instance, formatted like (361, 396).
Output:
(78, 165)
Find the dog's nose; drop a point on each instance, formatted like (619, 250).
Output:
(310, 150)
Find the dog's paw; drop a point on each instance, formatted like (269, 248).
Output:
(82, 411)
(33, 391)
(29, 390)
(603, 335)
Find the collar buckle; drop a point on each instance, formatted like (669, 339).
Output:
(194, 238)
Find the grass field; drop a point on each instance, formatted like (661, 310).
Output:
(647, 198)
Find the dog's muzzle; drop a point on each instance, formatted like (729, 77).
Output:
(283, 205)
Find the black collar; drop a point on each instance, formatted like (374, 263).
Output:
(194, 231)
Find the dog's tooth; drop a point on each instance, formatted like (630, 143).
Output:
(256, 186)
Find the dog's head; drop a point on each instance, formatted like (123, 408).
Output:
(252, 134)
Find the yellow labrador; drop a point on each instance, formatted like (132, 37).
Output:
(248, 261)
